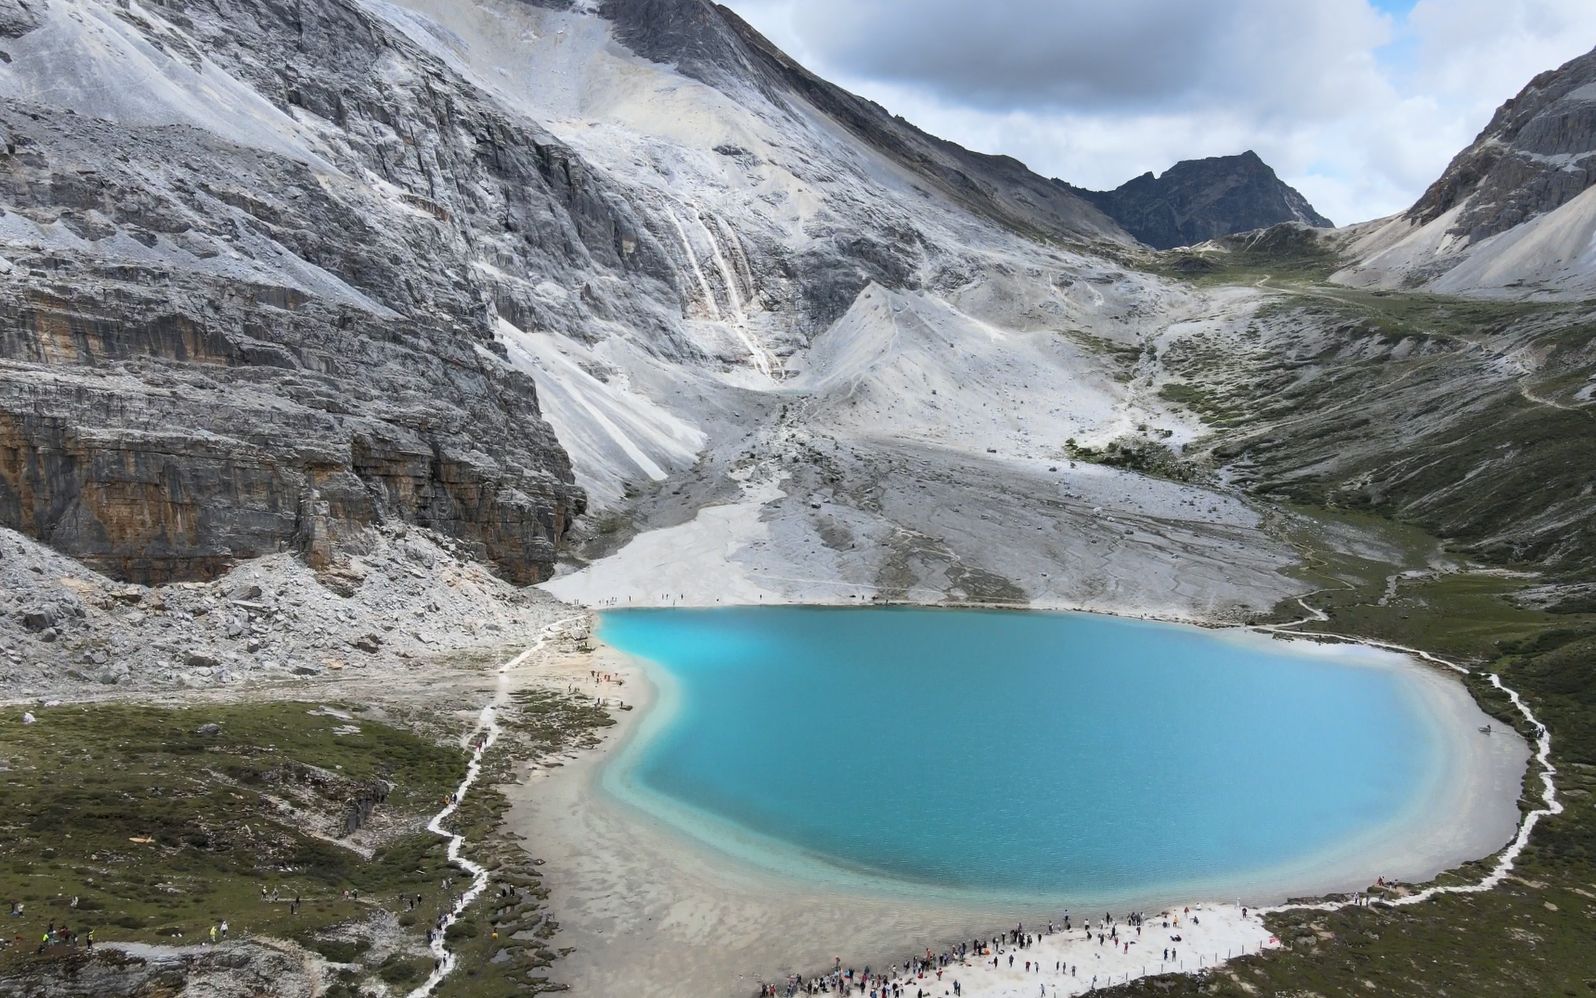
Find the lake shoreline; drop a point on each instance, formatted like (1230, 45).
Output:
(638, 898)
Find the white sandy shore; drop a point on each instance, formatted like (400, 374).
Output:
(1074, 962)
(650, 911)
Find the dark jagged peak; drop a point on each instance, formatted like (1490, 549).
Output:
(1537, 154)
(1201, 199)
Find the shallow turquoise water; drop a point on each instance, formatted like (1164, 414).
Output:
(1022, 754)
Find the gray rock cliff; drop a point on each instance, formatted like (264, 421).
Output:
(1537, 153)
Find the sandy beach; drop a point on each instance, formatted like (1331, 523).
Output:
(647, 910)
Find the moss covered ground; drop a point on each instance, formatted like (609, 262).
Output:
(159, 831)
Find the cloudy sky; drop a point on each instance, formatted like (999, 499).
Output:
(1359, 104)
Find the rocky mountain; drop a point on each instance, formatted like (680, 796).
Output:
(279, 273)
(712, 44)
(240, 315)
(1513, 215)
(1200, 199)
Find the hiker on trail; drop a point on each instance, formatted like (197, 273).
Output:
(224, 928)
(213, 935)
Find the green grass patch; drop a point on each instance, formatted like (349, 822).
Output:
(1285, 252)
(160, 831)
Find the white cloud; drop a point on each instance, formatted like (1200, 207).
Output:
(1357, 110)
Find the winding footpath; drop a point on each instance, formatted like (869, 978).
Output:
(482, 738)
(1551, 805)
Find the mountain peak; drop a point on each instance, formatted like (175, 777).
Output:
(1537, 153)
(1200, 199)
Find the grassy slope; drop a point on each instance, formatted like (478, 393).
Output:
(85, 781)
(1536, 935)
(1456, 415)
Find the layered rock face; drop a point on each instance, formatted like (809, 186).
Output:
(259, 334)
(1537, 154)
(153, 440)
(263, 261)
(1201, 199)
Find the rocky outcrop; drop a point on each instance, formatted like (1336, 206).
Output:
(1537, 154)
(1513, 216)
(18, 17)
(1201, 199)
(244, 967)
(226, 341)
(155, 439)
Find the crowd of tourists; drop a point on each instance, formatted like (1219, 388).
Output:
(936, 970)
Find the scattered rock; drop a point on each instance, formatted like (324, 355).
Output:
(209, 730)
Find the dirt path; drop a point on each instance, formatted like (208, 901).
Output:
(480, 740)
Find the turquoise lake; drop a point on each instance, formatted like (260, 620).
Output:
(1016, 754)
